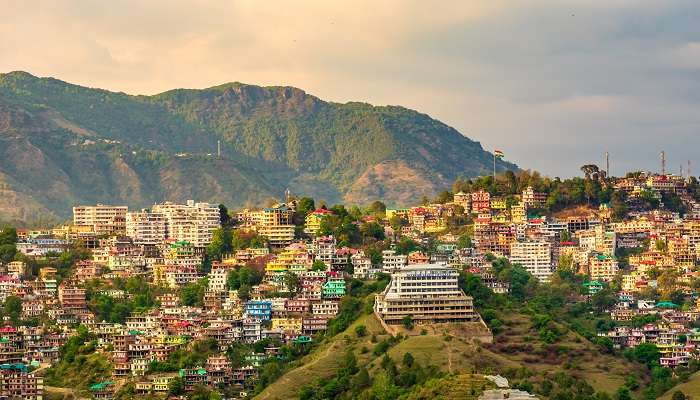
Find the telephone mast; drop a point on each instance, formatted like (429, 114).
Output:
(663, 162)
(607, 164)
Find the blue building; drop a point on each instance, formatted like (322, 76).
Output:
(261, 309)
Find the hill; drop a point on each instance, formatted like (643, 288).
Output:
(62, 144)
(549, 369)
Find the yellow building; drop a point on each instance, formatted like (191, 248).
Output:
(287, 324)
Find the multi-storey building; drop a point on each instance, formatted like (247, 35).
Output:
(72, 298)
(392, 261)
(463, 200)
(313, 221)
(104, 219)
(191, 222)
(146, 228)
(534, 256)
(603, 267)
(533, 199)
(427, 293)
(481, 201)
(17, 383)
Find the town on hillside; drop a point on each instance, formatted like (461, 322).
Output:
(194, 299)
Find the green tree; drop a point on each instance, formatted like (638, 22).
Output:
(318, 265)
(292, 282)
(678, 395)
(13, 308)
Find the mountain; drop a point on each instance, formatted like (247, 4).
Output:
(63, 144)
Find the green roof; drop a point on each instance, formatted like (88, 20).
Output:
(101, 385)
(593, 283)
(666, 304)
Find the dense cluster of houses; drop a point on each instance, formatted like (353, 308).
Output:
(305, 279)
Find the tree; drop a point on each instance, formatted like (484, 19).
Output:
(407, 321)
(318, 265)
(292, 282)
(13, 308)
(647, 353)
(678, 395)
(305, 205)
(233, 280)
(192, 294)
(377, 208)
(224, 218)
(408, 359)
(8, 238)
(464, 242)
(175, 387)
(360, 331)
(221, 243)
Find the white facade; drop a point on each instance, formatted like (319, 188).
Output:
(104, 219)
(392, 262)
(146, 228)
(191, 222)
(534, 256)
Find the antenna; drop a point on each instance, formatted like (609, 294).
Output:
(218, 148)
(287, 195)
(663, 162)
(607, 164)
(681, 171)
(688, 170)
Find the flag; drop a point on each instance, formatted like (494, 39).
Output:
(498, 154)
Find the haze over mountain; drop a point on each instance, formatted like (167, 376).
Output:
(63, 144)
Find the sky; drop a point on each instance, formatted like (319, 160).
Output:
(554, 84)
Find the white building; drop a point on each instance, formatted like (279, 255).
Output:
(392, 262)
(429, 293)
(104, 219)
(146, 228)
(191, 222)
(534, 256)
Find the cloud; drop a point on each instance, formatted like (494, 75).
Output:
(555, 84)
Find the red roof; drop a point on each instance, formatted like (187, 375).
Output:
(323, 211)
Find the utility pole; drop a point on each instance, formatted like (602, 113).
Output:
(494, 168)
(663, 162)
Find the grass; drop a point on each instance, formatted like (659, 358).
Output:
(79, 375)
(517, 347)
(324, 361)
(690, 388)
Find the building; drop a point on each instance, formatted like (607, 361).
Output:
(534, 256)
(191, 222)
(533, 199)
(428, 293)
(72, 298)
(17, 383)
(603, 267)
(146, 228)
(312, 223)
(393, 262)
(481, 201)
(104, 219)
(463, 200)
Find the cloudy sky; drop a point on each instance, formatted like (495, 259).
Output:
(554, 84)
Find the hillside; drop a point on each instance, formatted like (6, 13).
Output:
(517, 354)
(62, 144)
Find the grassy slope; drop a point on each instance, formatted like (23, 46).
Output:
(516, 347)
(324, 361)
(690, 388)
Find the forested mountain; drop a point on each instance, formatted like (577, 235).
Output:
(62, 144)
